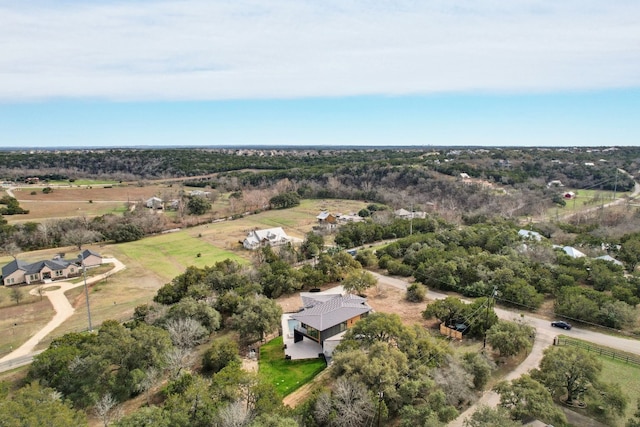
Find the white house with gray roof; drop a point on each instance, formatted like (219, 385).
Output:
(269, 237)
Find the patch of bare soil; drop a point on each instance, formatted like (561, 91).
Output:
(300, 395)
(392, 300)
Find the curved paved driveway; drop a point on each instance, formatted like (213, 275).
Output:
(63, 310)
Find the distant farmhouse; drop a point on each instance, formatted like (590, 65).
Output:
(154, 203)
(405, 214)
(18, 272)
(269, 237)
(327, 220)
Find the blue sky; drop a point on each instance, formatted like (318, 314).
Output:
(368, 72)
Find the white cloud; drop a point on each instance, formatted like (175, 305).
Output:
(224, 49)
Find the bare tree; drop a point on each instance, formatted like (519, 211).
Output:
(79, 237)
(151, 377)
(186, 332)
(44, 229)
(40, 291)
(177, 359)
(349, 405)
(455, 382)
(107, 409)
(12, 249)
(17, 295)
(234, 414)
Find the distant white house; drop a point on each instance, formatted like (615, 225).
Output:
(154, 203)
(269, 237)
(199, 193)
(530, 235)
(405, 214)
(610, 259)
(573, 252)
(555, 183)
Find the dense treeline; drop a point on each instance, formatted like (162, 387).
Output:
(395, 177)
(130, 226)
(479, 258)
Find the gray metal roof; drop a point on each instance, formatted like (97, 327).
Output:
(13, 266)
(309, 299)
(332, 312)
(34, 267)
(87, 252)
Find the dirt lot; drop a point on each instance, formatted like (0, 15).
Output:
(66, 202)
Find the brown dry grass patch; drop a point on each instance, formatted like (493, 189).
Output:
(20, 322)
(116, 193)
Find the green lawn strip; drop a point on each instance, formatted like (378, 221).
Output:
(601, 350)
(625, 374)
(286, 375)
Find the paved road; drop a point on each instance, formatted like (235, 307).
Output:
(544, 338)
(63, 310)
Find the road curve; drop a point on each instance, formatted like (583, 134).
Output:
(545, 334)
(63, 310)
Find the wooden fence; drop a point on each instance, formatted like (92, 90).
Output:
(450, 332)
(602, 351)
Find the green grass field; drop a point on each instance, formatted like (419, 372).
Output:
(286, 375)
(168, 255)
(628, 376)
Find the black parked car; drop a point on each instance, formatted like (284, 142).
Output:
(561, 324)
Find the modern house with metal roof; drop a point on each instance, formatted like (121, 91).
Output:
(327, 315)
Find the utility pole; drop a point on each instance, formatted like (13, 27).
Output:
(615, 186)
(486, 319)
(380, 397)
(411, 222)
(86, 290)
